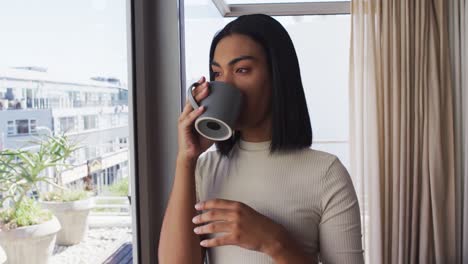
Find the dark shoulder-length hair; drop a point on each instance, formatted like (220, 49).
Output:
(291, 127)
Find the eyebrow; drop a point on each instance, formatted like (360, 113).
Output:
(236, 60)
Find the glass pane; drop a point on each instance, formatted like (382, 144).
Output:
(22, 126)
(63, 71)
(322, 45)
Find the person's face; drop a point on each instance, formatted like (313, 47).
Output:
(241, 61)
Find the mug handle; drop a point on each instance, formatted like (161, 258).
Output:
(190, 95)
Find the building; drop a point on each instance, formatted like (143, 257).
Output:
(93, 113)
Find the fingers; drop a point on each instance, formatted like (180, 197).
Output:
(231, 238)
(190, 117)
(219, 204)
(219, 241)
(186, 111)
(198, 87)
(199, 93)
(216, 227)
(202, 79)
(216, 215)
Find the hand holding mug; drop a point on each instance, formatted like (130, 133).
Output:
(222, 109)
(191, 144)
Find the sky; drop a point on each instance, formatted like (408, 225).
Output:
(76, 38)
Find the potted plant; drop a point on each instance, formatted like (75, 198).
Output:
(28, 232)
(72, 208)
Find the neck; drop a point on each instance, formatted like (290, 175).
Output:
(259, 133)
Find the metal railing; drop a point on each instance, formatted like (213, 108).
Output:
(115, 205)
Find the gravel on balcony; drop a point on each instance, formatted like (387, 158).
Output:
(98, 245)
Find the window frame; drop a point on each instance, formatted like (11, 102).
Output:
(284, 9)
(155, 28)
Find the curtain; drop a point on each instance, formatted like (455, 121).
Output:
(458, 11)
(402, 130)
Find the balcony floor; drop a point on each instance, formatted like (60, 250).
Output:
(105, 242)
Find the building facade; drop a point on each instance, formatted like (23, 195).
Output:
(93, 113)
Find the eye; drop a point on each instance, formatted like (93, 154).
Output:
(215, 74)
(242, 70)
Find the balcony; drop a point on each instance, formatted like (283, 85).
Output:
(109, 238)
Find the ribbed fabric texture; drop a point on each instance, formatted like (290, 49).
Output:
(309, 192)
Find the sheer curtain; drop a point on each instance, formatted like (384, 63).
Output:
(364, 67)
(459, 57)
(402, 131)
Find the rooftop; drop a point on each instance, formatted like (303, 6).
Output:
(39, 74)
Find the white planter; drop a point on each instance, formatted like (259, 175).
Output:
(30, 244)
(73, 217)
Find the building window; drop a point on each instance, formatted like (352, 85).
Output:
(108, 146)
(11, 128)
(21, 127)
(123, 143)
(32, 126)
(90, 122)
(67, 124)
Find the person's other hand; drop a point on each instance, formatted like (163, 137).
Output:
(243, 226)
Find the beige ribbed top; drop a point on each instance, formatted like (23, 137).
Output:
(309, 192)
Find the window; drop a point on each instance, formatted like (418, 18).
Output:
(91, 99)
(11, 128)
(323, 62)
(72, 61)
(108, 146)
(68, 124)
(32, 125)
(90, 122)
(123, 143)
(22, 126)
(9, 94)
(322, 45)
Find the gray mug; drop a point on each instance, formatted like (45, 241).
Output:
(222, 109)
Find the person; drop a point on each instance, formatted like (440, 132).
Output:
(263, 196)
